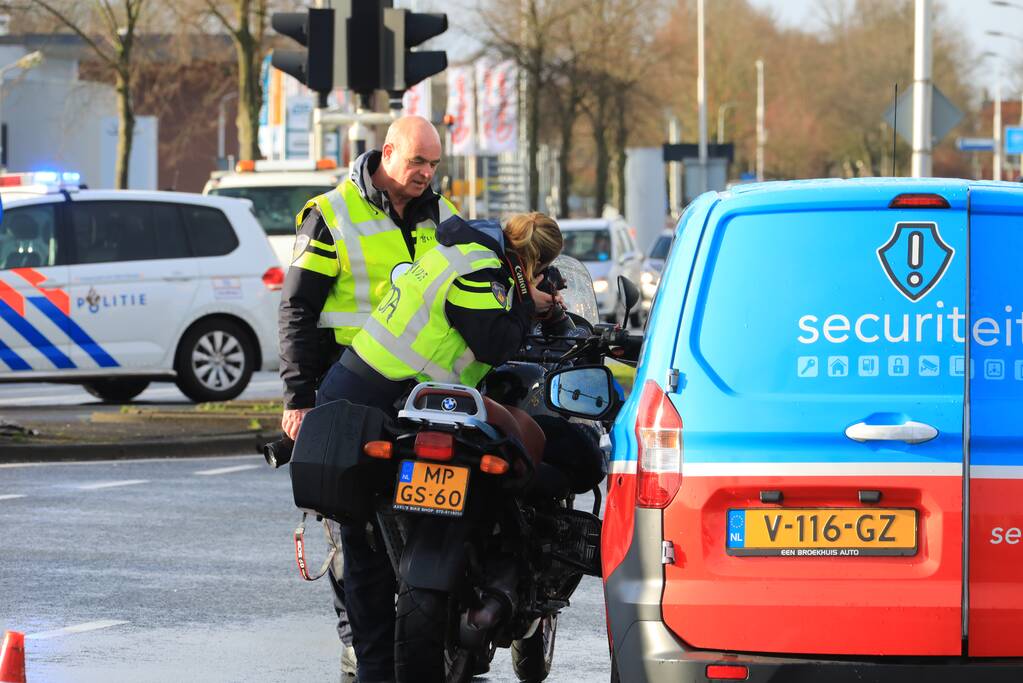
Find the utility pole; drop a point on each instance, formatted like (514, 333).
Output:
(996, 170)
(701, 96)
(760, 120)
(674, 168)
(921, 166)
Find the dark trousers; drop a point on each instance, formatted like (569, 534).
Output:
(367, 587)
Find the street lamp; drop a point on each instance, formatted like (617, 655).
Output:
(25, 62)
(721, 119)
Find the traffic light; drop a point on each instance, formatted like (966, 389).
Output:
(319, 66)
(404, 30)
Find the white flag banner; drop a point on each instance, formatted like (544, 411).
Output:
(417, 100)
(462, 107)
(497, 86)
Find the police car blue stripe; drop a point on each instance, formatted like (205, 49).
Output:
(11, 359)
(35, 337)
(76, 333)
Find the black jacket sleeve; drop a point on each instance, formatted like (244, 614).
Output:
(493, 334)
(306, 351)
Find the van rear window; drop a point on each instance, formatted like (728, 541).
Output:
(803, 302)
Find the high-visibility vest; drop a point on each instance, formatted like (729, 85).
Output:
(368, 246)
(409, 336)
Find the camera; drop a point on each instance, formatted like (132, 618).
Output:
(278, 453)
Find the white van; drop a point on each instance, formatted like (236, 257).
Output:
(113, 289)
(278, 190)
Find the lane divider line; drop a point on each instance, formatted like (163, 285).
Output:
(78, 628)
(12, 496)
(224, 470)
(111, 484)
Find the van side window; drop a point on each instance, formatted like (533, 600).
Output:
(28, 237)
(107, 232)
(209, 231)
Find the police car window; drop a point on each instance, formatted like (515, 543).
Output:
(170, 232)
(28, 237)
(209, 232)
(106, 232)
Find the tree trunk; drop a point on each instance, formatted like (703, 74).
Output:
(250, 98)
(533, 104)
(125, 130)
(621, 140)
(603, 161)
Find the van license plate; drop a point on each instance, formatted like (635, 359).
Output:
(431, 488)
(821, 532)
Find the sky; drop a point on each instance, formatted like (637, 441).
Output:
(975, 16)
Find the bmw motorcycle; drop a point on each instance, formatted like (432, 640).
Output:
(480, 527)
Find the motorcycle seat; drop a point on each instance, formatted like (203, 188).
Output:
(517, 423)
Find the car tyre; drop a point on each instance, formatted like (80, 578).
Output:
(215, 360)
(116, 390)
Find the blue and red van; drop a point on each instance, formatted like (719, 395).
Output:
(819, 473)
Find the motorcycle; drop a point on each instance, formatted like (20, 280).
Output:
(479, 526)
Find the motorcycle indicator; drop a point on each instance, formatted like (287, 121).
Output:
(431, 488)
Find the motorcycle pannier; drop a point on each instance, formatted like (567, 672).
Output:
(330, 475)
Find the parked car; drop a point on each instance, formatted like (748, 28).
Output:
(607, 248)
(819, 473)
(114, 289)
(650, 277)
(278, 190)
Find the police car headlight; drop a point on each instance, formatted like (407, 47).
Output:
(646, 278)
(600, 286)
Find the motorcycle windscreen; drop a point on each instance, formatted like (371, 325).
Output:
(995, 595)
(578, 296)
(820, 507)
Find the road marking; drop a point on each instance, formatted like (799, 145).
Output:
(93, 463)
(79, 628)
(12, 496)
(225, 470)
(112, 484)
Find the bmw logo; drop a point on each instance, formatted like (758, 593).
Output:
(449, 404)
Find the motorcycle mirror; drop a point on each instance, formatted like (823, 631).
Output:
(629, 293)
(583, 391)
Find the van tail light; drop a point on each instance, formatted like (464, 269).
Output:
(916, 200)
(273, 278)
(434, 445)
(659, 433)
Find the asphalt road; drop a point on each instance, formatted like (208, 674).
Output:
(262, 385)
(175, 570)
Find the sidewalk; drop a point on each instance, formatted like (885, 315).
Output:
(136, 431)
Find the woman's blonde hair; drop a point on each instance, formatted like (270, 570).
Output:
(535, 238)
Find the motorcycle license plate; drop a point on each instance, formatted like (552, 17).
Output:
(821, 532)
(431, 488)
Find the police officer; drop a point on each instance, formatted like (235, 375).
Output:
(459, 310)
(351, 241)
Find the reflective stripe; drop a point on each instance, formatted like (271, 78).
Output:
(342, 319)
(407, 355)
(323, 246)
(474, 300)
(324, 265)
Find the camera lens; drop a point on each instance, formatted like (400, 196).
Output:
(278, 453)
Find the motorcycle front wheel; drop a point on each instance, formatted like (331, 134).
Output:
(423, 649)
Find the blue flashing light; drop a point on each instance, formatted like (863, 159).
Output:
(46, 177)
(71, 177)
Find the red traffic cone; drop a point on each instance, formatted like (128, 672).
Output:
(12, 658)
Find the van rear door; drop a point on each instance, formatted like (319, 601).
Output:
(821, 397)
(995, 596)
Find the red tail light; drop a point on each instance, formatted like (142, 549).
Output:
(273, 278)
(727, 672)
(434, 446)
(914, 200)
(659, 433)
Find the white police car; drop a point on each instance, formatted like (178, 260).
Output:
(114, 289)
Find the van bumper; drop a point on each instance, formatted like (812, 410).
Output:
(651, 654)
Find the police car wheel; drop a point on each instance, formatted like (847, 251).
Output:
(116, 390)
(215, 361)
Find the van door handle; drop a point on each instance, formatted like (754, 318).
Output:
(910, 432)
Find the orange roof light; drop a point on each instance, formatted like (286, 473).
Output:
(246, 166)
(326, 165)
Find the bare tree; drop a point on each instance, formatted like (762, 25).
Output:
(115, 46)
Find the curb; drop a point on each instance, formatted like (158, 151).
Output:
(246, 443)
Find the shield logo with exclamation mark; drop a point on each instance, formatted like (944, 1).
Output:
(915, 258)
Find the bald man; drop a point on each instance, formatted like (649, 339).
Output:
(351, 243)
